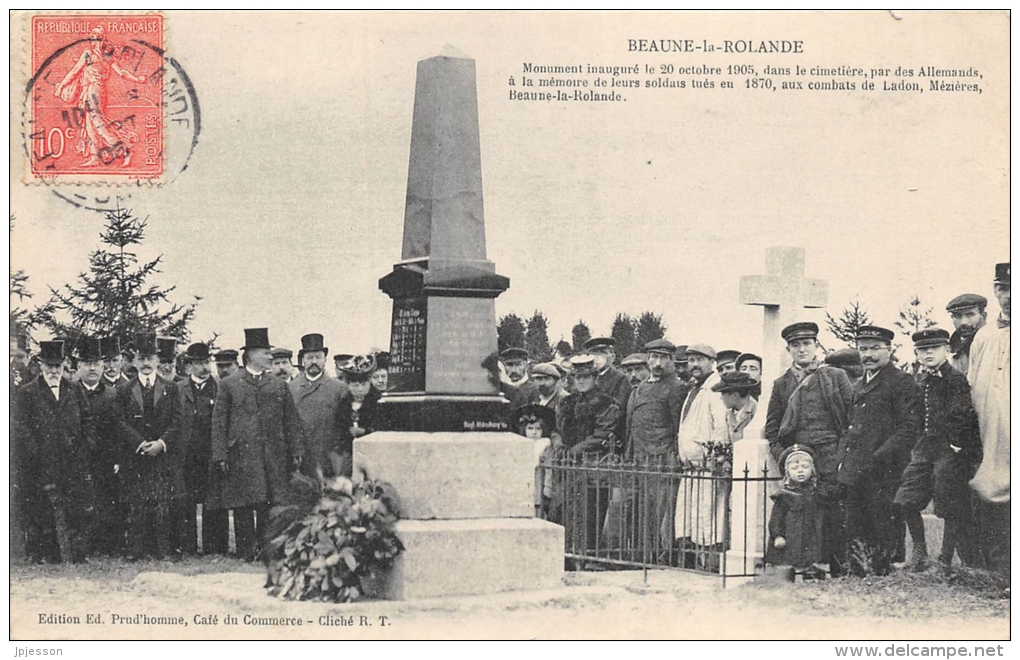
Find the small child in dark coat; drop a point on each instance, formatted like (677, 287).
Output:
(795, 528)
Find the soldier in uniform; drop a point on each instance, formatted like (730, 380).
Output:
(226, 363)
(318, 397)
(167, 350)
(147, 416)
(197, 397)
(988, 375)
(945, 458)
(281, 366)
(53, 432)
(968, 313)
(257, 441)
(110, 514)
(810, 406)
(635, 367)
(885, 423)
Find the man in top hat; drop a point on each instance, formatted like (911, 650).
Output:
(196, 400)
(700, 515)
(317, 398)
(110, 514)
(653, 421)
(167, 349)
(113, 361)
(737, 391)
(635, 368)
(968, 313)
(884, 425)
(988, 374)
(726, 361)
(257, 440)
(359, 412)
(810, 406)
(226, 363)
(281, 366)
(588, 421)
(945, 458)
(147, 412)
(53, 435)
(849, 360)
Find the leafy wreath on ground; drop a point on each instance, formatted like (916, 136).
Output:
(335, 533)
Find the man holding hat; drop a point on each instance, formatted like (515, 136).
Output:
(653, 421)
(968, 313)
(197, 397)
(53, 434)
(281, 366)
(988, 375)
(147, 412)
(226, 363)
(257, 441)
(945, 458)
(317, 398)
(885, 423)
(108, 536)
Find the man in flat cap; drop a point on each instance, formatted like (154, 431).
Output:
(610, 381)
(944, 459)
(147, 412)
(257, 441)
(885, 424)
(635, 368)
(726, 361)
(226, 363)
(653, 421)
(988, 375)
(516, 386)
(810, 406)
(548, 392)
(196, 399)
(52, 429)
(968, 311)
(317, 398)
(849, 360)
(701, 507)
(281, 366)
(110, 514)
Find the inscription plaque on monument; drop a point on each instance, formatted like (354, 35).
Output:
(407, 345)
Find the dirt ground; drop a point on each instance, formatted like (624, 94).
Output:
(611, 605)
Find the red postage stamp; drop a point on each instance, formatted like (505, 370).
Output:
(96, 105)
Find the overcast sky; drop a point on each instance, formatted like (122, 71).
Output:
(292, 207)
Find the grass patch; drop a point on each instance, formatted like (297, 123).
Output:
(118, 570)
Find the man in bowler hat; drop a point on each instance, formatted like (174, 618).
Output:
(257, 441)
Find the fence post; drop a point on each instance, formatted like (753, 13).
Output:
(747, 523)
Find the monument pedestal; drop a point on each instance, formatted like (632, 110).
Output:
(749, 514)
(466, 514)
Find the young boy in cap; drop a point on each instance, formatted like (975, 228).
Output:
(796, 522)
(945, 458)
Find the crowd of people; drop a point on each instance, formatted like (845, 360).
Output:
(121, 452)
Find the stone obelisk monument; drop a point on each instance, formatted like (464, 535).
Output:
(465, 484)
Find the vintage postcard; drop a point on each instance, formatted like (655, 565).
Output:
(641, 317)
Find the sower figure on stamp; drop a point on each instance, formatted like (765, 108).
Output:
(810, 406)
(108, 532)
(147, 413)
(885, 422)
(989, 382)
(53, 432)
(256, 441)
(944, 459)
(318, 397)
(197, 396)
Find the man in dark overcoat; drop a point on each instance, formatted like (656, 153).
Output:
(885, 423)
(53, 432)
(110, 515)
(317, 397)
(257, 441)
(147, 414)
(196, 398)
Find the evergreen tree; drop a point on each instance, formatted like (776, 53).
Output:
(845, 327)
(623, 331)
(563, 348)
(649, 327)
(115, 296)
(537, 337)
(578, 335)
(510, 332)
(18, 290)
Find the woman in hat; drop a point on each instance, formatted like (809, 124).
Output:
(359, 408)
